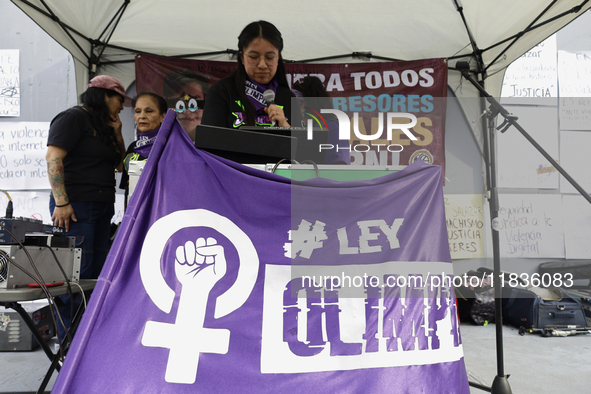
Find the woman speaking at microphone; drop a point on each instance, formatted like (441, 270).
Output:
(243, 97)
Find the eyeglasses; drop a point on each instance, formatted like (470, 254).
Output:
(254, 60)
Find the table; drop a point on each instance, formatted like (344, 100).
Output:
(11, 298)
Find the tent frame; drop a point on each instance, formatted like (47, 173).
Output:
(101, 43)
(480, 71)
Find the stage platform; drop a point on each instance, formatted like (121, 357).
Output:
(535, 364)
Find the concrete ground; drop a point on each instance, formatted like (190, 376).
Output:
(535, 364)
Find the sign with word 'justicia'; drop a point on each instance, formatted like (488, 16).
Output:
(227, 279)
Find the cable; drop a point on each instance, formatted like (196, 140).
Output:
(81, 292)
(47, 295)
(67, 280)
(41, 284)
(9, 208)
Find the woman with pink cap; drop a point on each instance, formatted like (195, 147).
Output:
(84, 148)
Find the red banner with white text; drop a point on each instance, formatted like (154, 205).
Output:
(415, 89)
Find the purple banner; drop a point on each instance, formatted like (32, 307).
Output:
(212, 285)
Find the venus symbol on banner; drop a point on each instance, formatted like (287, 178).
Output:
(198, 267)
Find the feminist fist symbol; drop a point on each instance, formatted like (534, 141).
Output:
(203, 258)
(198, 266)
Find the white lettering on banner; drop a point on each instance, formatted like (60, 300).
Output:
(366, 236)
(409, 78)
(198, 267)
(308, 238)
(305, 239)
(325, 332)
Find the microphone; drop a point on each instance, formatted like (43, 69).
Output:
(269, 97)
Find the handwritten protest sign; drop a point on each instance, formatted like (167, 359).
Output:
(574, 71)
(530, 225)
(465, 225)
(533, 75)
(23, 146)
(575, 113)
(9, 83)
(28, 205)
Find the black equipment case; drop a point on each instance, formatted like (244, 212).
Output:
(537, 307)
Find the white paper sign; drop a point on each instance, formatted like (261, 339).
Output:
(577, 224)
(465, 225)
(10, 96)
(574, 71)
(531, 226)
(533, 74)
(520, 165)
(28, 205)
(23, 146)
(575, 113)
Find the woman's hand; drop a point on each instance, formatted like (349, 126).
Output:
(277, 115)
(61, 216)
(116, 124)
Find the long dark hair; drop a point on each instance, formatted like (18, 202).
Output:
(160, 101)
(269, 32)
(94, 100)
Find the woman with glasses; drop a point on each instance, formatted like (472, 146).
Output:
(237, 100)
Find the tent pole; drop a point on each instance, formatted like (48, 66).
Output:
(476, 52)
(64, 27)
(532, 26)
(117, 16)
(92, 66)
(500, 383)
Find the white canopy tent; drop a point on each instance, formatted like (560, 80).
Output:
(104, 36)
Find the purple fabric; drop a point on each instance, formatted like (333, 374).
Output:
(246, 330)
(254, 91)
(145, 141)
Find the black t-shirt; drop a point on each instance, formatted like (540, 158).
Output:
(222, 105)
(89, 166)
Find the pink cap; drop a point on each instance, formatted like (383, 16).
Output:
(110, 83)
